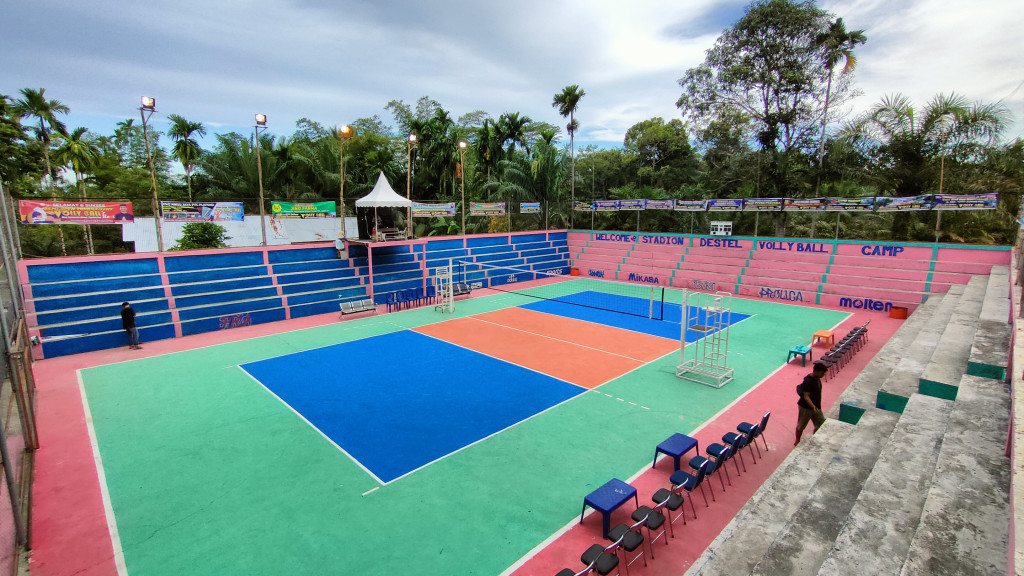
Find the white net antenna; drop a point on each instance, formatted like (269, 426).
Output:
(708, 316)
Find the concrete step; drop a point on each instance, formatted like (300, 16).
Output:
(905, 379)
(990, 352)
(742, 543)
(806, 540)
(948, 363)
(964, 528)
(862, 393)
(878, 531)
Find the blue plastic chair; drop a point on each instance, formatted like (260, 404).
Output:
(391, 301)
(410, 297)
(400, 299)
(421, 296)
(431, 294)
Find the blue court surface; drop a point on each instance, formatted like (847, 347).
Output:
(579, 307)
(397, 402)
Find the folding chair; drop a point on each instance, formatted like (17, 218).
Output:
(630, 538)
(744, 442)
(672, 503)
(753, 431)
(722, 454)
(689, 483)
(604, 559)
(652, 519)
(697, 461)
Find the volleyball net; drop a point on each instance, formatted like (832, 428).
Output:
(644, 300)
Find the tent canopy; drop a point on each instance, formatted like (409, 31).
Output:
(382, 196)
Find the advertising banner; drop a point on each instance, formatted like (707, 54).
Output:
(304, 209)
(691, 205)
(904, 204)
(487, 209)
(850, 204)
(531, 207)
(762, 204)
(966, 202)
(606, 206)
(205, 211)
(631, 204)
(659, 204)
(805, 204)
(580, 206)
(725, 205)
(39, 212)
(432, 210)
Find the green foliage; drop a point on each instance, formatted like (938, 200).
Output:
(198, 235)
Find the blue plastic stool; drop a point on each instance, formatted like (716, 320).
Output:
(801, 351)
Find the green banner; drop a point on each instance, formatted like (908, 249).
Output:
(304, 209)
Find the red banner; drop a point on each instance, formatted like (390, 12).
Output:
(33, 212)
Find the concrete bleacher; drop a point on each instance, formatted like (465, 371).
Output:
(73, 305)
(842, 274)
(919, 490)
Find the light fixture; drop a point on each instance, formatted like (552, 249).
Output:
(261, 124)
(261, 119)
(148, 103)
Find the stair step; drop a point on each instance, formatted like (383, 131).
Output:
(964, 528)
(807, 539)
(742, 543)
(889, 506)
(948, 363)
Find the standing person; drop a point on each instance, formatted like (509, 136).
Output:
(810, 401)
(128, 321)
(339, 245)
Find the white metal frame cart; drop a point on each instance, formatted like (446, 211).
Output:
(710, 314)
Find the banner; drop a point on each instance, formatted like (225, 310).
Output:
(606, 206)
(304, 210)
(725, 205)
(531, 207)
(207, 211)
(38, 212)
(762, 204)
(631, 204)
(904, 204)
(805, 204)
(659, 204)
(583, 207)
(487, 209)
(432, 210)
(691, 205)
(965, 202)
(850, 204)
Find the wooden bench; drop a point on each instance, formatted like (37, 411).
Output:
(365, 305)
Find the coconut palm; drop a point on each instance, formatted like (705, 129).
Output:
(80, 154)
(836, 45)
(567, 101)
(186, 149)
(33, 104)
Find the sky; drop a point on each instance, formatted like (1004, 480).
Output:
(219, 62)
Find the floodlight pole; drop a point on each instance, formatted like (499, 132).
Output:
(412, 142)
(261, 123)
(462, 170)
(344, 133)
(149, 105)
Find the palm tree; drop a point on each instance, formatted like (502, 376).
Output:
(511, 129)
(836, 44)
(186, 149)
(80, 155)
(33, 104)
(567, 101)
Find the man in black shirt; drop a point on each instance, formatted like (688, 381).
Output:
(810, 401)
(128, 321)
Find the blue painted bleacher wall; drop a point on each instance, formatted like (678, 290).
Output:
(73, 304)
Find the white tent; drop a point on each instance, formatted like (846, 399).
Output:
(383, 196)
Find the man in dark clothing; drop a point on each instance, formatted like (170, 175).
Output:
(128, 321)
(810, 401)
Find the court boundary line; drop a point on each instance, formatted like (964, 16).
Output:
(380, 482)
(311, 425)
(558, 339)
(108, 507)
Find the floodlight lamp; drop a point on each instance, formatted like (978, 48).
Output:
(346, 131)
(412, 138)
(463, 144)
(148, 103)
(261, 119)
